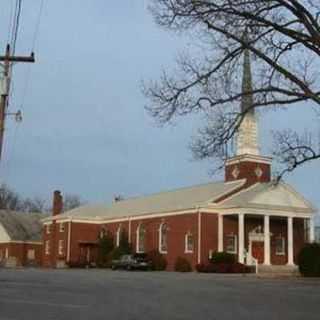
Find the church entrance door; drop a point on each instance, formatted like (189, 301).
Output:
(258, 251)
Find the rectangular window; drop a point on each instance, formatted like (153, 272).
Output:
(47, 247)
(61, 227)
(48, 228)
(280, 246)
(189, 243)
(231, 244)
(31, 254)
(61, 247)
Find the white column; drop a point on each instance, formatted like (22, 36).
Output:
(241, 237)
(266, 240)
(129, 230)
(220, 232)
(311, 230)
(290, 241)
(199, 237)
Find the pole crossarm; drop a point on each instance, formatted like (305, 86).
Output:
(8, 59)
(30, 59)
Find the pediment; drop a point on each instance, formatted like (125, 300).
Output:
(280, 195)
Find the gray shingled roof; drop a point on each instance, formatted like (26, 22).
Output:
(170, 201)
(22, 226)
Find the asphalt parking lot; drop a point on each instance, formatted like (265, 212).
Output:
(104, 294)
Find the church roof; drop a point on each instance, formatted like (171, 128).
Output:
(271, 196)
(170, 201)
(21, 226)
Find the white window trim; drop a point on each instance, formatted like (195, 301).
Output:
(283, 247)
(160, 239)
(61, 247)
(31, 254)
(186, 249)
(48, 228)
(118, 236)
(138, 240)
(235, 251)
(47, 247)
(61, 227)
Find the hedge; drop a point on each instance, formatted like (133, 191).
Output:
(309, 260)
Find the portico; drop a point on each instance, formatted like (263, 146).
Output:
(264, 237)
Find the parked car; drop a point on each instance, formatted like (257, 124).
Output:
(131, 262)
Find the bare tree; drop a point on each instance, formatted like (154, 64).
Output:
(34, 205)
(9, 200)
(283, 37)
(71, 201)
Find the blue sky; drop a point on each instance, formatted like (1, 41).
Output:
(85, 130)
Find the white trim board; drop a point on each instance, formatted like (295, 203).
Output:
(22, 242)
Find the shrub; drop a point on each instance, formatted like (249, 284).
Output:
(182, 265)
(76, 264)
(201, 267)
(124, 247)
(206, 268)
(158, 261)
(309, 260)
(222, 268)
(223, 257)
(105, 247)
(239, 268)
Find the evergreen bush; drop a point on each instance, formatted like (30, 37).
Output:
(124, 247)
(309, 260)
(105, 247)
(223, 257)
(158, 261)
(182, 265)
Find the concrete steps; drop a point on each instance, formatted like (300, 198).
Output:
(278, 271)
(11, 262)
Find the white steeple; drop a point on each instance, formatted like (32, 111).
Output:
(247, 138)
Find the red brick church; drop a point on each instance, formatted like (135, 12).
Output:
(247, 214)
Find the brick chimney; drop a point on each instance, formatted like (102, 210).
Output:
(57, 203)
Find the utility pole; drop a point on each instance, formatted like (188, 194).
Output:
(8, 59)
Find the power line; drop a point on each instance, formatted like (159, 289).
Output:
(16, 24)
(37, 28)
(10, 21)
(28, 75)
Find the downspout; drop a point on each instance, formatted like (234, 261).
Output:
(129, 230)
(199, 235)
(69, 240)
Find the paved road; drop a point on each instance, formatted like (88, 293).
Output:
(103, 294)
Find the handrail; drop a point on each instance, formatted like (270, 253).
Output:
(250, 260)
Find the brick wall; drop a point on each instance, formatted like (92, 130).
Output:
(247, 171)
(178, 227)
(20, 252)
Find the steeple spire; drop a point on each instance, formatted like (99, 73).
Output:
(247, 139)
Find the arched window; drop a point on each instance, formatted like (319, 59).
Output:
(163, 238)
(102, 233)
(118, 235)
(141, 231)
(189, 244)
